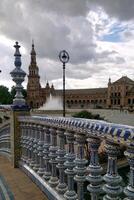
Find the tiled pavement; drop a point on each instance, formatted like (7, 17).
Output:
(18, 183)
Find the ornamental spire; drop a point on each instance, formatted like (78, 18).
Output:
(33, 54)
(18, 76)
(17, 55)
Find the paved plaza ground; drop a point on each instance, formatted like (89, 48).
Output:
(18, 183)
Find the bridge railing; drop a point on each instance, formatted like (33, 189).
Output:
(53, 155)
(5, 140)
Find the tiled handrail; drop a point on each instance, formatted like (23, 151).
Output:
(56, 144)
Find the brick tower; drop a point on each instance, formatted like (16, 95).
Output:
(34, 94)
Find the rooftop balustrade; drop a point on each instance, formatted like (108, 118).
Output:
(53, 155)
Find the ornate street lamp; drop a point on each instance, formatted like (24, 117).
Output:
(64, 58)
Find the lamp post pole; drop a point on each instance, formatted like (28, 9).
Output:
(64, 58)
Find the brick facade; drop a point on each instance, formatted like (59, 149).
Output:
(118, 94)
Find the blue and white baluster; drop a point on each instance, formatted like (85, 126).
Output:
(32, 146)
(69, 164)
(37, 135)
(112, 178)
(27, 144)
(22, 141)
(26, 140)
(95, 170)
(61, 187)
(47, 172)
(80, 168)
(129, 190)
(53, 148)
(40, 150)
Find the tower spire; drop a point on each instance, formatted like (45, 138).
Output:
(33, 54)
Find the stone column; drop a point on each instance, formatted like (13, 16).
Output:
(112, 178)
(46, 158)
(80, 168)
(62, 187)
(129, 190)
(53, 148)
(40, 150)
(95, 169)
(69, 164)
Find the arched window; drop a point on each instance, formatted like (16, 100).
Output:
(72, 102)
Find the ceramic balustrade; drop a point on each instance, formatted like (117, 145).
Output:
(67, 171)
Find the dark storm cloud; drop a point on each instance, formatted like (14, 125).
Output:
(122, 9)
(63, 7)
(54, 25)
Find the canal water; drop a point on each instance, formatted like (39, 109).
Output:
(114, 116)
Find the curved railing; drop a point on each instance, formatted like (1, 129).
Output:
(5, 140)
(53, 155)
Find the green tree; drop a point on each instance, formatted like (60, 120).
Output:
(5, 96)
(87, 115)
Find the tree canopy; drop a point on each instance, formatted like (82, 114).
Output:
(5, 96)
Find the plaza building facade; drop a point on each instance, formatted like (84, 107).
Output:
(118, 94)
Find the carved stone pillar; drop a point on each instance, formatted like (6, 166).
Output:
(62, 187)
(47, 172)
(80, 168)
(95, 169)
(36, 165)
(69, 164)
(129, 190)
(40, 150)
(112, 178)
(53, 148)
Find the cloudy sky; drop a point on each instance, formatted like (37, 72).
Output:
(98, 35)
